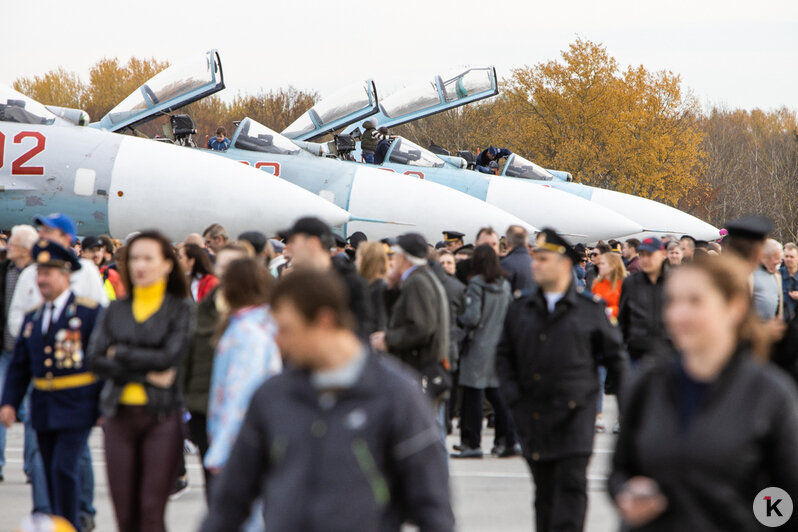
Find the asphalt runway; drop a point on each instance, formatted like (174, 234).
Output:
(489, 495)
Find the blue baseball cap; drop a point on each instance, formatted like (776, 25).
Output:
(58, 221)
(650, 245)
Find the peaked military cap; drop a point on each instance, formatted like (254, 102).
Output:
(452, 236)
(754, 227)
(46, 253)
(549, 240)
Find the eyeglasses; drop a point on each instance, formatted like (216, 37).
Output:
(594, 254)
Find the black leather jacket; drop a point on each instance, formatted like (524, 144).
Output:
(155, 345)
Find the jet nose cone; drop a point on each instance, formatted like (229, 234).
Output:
(577, 219)
(180, 191)
(429, 207)
(655, 217)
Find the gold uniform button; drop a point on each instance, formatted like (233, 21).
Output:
(48, 362)
(571, 405)
(542, 337)
(535, 456)
(48, 375)
(48, 350)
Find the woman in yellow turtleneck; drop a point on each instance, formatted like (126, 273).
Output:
(137, 346)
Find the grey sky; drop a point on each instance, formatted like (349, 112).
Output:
(741, 54)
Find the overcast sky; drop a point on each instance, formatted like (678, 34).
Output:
(740, 54)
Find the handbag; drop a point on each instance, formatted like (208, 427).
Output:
(436, 381)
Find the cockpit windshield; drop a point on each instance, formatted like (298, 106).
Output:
(468, 83)
(176, 81)
(16, 107)
(517, 166)
(406, 152)
(253, 136)
(412, 99)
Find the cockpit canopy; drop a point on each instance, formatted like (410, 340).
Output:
(170, 89)
(441, 90)
(336, 111)
(254, 136)
(517, 166)
(18, 108)
(405, 152)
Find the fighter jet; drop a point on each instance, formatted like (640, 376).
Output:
(117, 184)
(370, 192)
(381, 205)
(419, 101)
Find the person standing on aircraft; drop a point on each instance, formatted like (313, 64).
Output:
(64, 402)
(547, 373)
(368, 141)
(487, 161)
(342, 440)
(220, 142)
(384, 139)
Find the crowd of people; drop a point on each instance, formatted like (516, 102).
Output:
(318, 377)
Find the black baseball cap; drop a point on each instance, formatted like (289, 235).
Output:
(256, 238)
(92, 242)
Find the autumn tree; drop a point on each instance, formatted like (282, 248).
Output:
(56, 87)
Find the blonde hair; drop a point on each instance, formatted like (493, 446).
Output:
(618, 273)
(373, 260)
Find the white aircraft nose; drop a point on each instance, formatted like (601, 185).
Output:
(180, 191)
(430, 208)
(577, 219)
(656, 218)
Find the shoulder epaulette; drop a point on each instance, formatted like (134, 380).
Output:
(86, 302)
(34, 309)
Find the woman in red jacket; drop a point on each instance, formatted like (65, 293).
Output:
(611, 273)
(197, 265)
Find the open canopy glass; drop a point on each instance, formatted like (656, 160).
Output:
(254, 136)
(517, 166)
(170, 89)
(405, 152)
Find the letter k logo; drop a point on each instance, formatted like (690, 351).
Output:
(773, 506)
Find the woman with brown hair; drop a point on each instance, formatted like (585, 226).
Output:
(197, 266)
(137, 346)
(705, 431)
(611, 273)
(371, 262)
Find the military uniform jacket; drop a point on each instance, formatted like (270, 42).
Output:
(58, 354)
(547, 366)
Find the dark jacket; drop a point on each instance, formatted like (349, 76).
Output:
(742, 439)
(418, 327)
(482, 158)
(518, 264)
(547, 366)
(640, 315)
(359, 300)
(370, 462)
(462, 270)
(55, 409)
(157, 344)
(591, 273)
(368, 141)
(483, 319)
(198, 362)
(376, 292)
(455, 294)
(381, 151)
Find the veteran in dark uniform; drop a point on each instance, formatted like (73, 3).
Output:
(50, 351)
(553, 342)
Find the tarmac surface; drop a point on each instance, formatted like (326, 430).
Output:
(489, 495)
